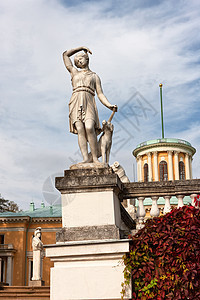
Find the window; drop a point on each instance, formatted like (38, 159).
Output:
(146, 173)
(163, 171)
(1, 239)
(31, 270)
(181, 170)
(2, 269)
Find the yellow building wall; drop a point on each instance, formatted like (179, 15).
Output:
(162, 154)
(17, 238)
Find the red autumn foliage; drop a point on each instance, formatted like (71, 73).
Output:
(164, 257)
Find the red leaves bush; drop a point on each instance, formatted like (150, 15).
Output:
(164, 257)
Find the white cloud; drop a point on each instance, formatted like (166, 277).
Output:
(135, 47)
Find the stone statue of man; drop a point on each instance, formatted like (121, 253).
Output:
(83, 115)
(37, 254)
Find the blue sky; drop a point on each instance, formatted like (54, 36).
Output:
(135, 44)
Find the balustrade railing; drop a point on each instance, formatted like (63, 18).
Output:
(6, 246)
(156, 190)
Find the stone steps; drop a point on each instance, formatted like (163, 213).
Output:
(25, 293)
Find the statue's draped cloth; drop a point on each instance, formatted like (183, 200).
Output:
(82, 105)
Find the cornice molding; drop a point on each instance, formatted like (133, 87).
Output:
(20, 219)
(169, 145)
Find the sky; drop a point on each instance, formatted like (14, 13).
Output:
(135, 44)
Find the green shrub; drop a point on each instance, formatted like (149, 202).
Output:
(164, 257)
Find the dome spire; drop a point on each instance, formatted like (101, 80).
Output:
(162, 119)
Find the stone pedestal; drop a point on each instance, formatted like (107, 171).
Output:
(87, 270)
(88, 254)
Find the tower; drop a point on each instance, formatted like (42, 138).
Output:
(164, 159)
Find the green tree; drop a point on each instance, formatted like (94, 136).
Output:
(7, 205)
(164, 258)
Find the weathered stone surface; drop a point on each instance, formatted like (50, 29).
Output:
(160, 188)
(104, 232)
(77, 180)
(94, 266)
(88, 166)
(78, 172)
(126, 218)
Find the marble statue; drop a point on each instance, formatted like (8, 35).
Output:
(119, 170)
(105, 141)
(37, 254)
(83, 114)
(129, 203)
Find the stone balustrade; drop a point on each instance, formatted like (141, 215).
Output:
(155, 190)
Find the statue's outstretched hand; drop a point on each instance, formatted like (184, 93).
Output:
(114, 108)
(87, 50)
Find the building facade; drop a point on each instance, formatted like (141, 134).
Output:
(16, 232)
(164, 160)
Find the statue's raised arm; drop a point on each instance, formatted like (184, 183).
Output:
(68, 53)
(83, 114)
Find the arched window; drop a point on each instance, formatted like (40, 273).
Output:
(163, 171)
(146, 173)
(181, 170)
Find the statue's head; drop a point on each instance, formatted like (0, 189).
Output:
(81, 60)
(37, 232)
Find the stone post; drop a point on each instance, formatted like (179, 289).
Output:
(154, 212)
(180, 200)
(170, 164)
(192, 196)
(141, 213)
(155, 157)
(167, 207)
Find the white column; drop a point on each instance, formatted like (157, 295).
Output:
(180, 200)
(167, 207)
(187, 166)
(176, 165)
(191, 167)
(141, 213)
(154, 212)
(4, 269)
(9, 270)
(150, 166)
(155, 158)
(139, 168)
(192, 196)
(170, 166)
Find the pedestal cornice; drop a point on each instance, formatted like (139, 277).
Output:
(79, 180)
